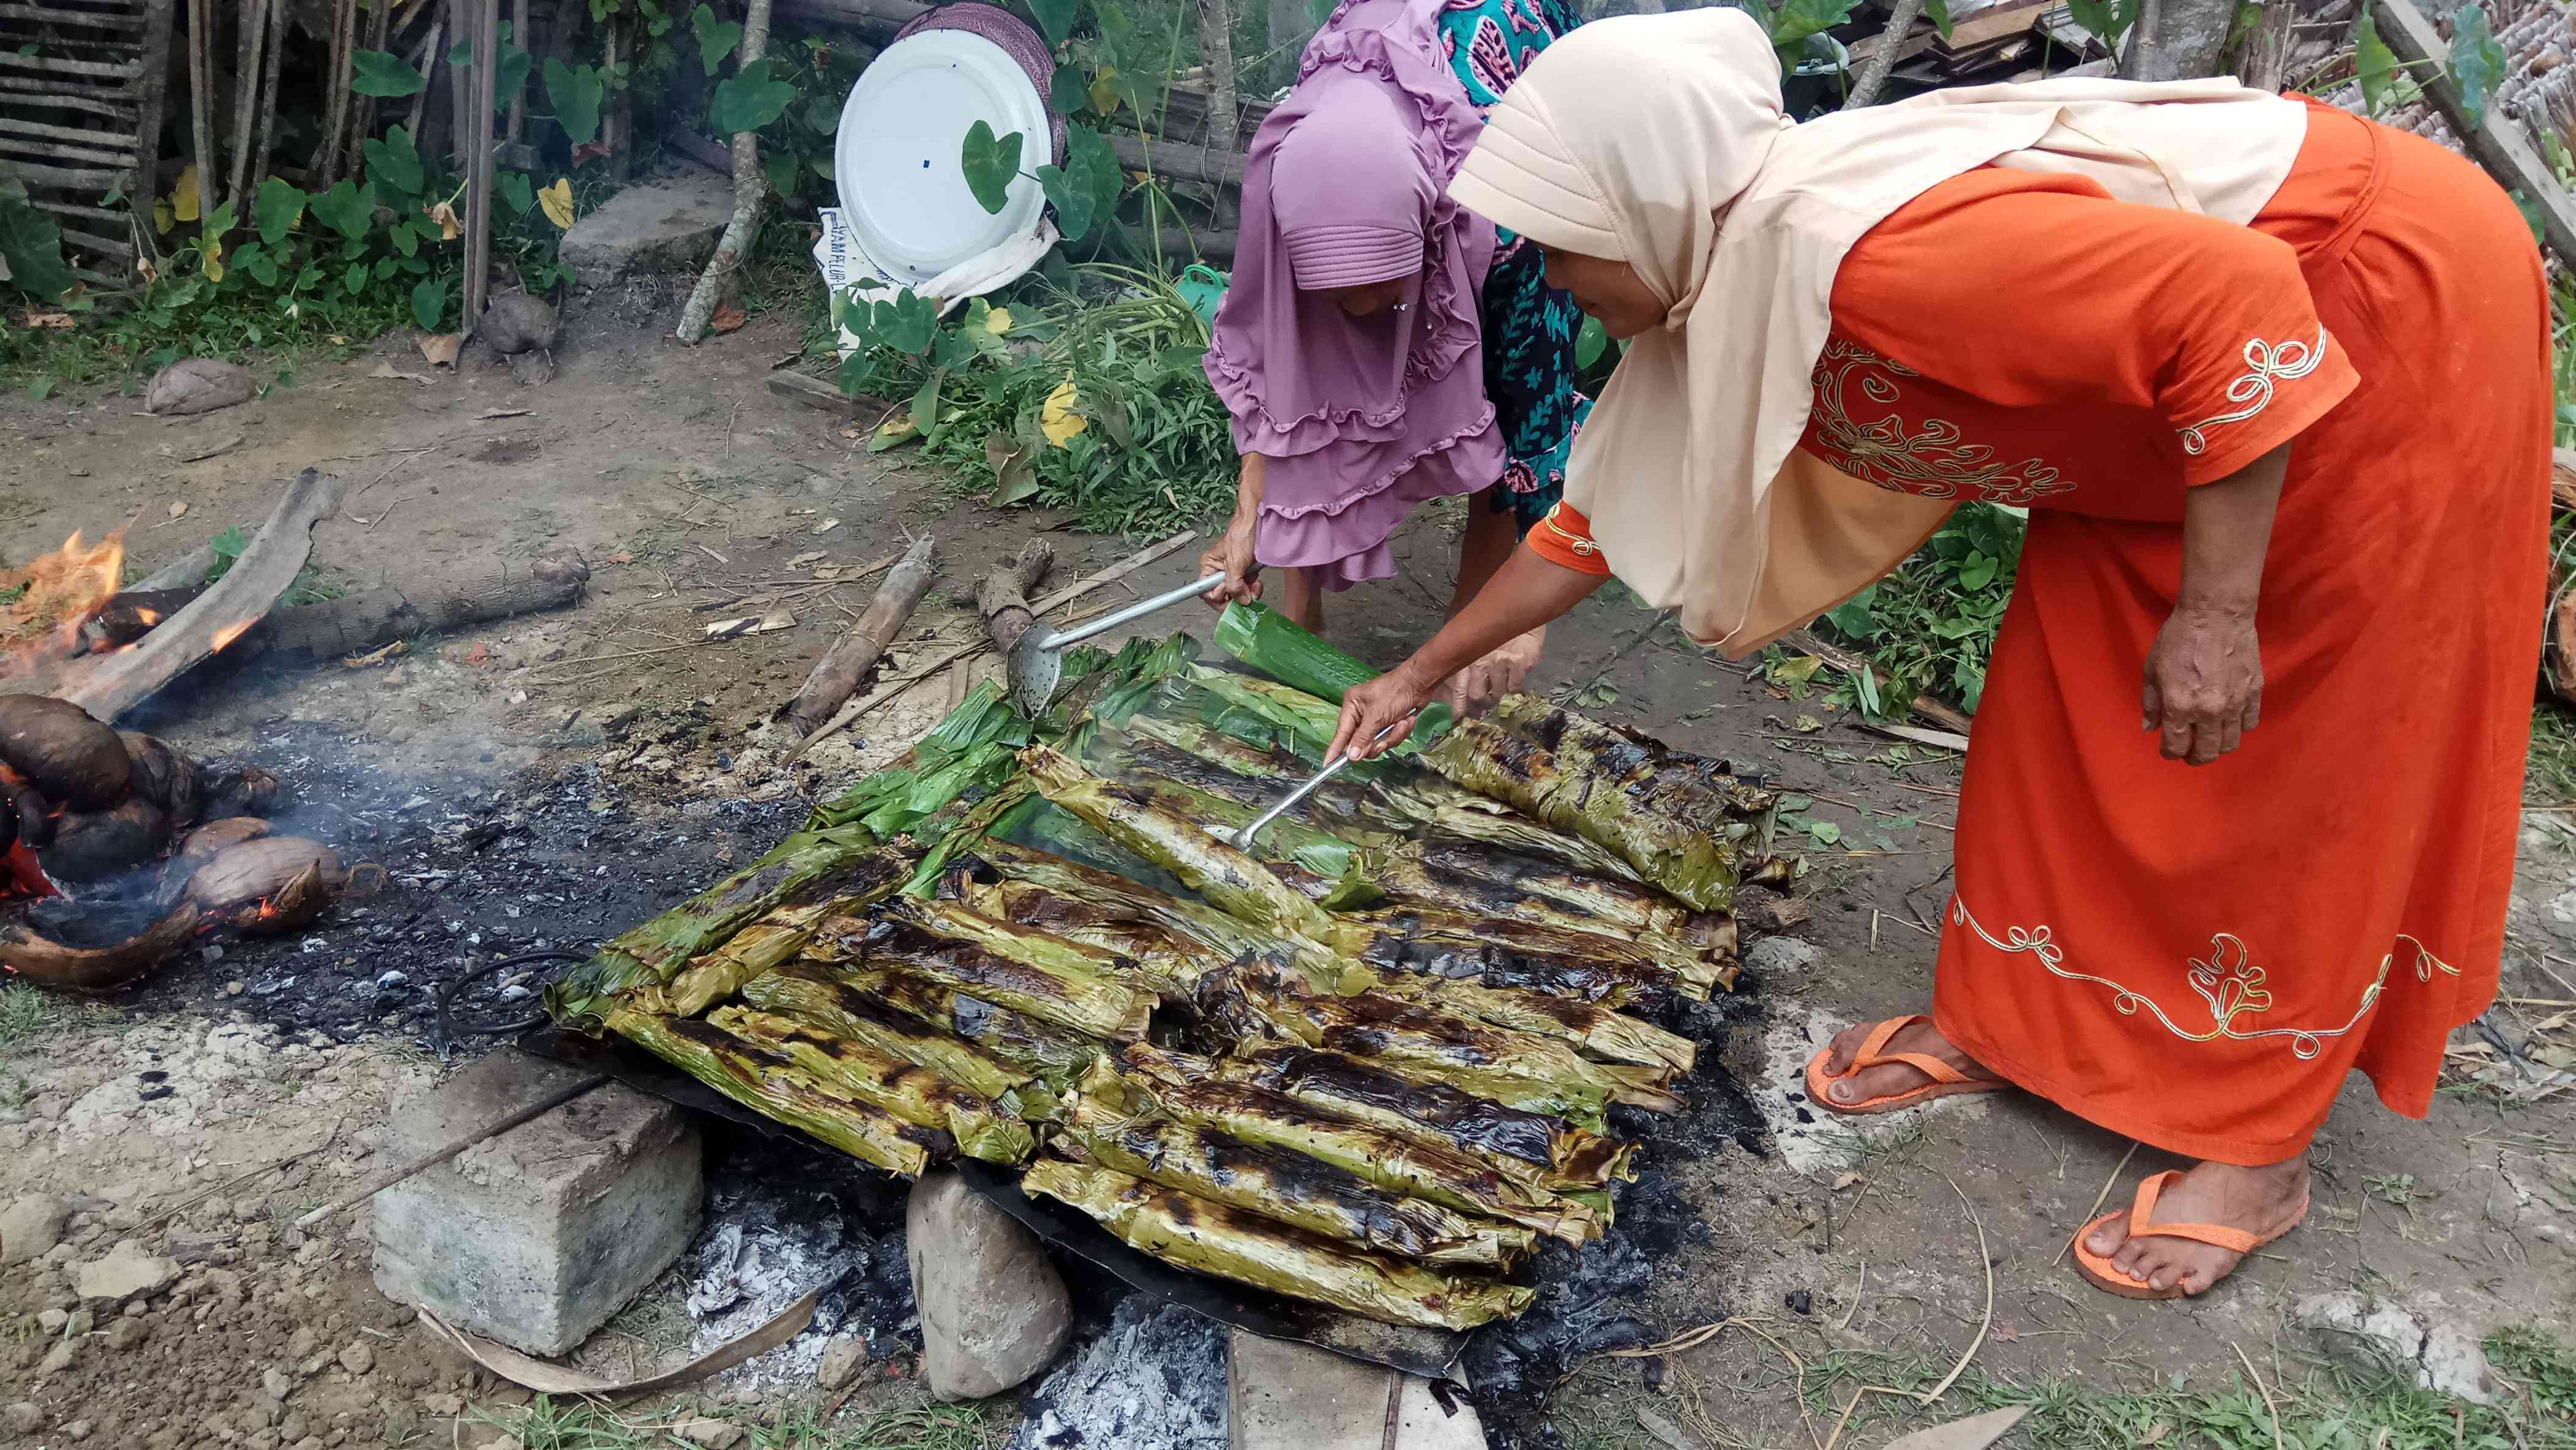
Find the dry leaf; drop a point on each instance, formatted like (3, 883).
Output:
(998, 321)
(47, 319)
(1845, 1180)
(1061, 417)
(728, 318)
(489, 414)
(445, 215)
(1973, 1433)
(854, 431)
(388, 370)
(183, 197)
(377, 656)
(179, 510)
(441, 348)
(827, 526)
(557, 203)
(622, 556)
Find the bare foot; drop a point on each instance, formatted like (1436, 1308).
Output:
(1889, 1079)
(2266, 1202)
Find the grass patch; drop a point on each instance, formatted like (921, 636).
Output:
(548, 1424)
(27, 1013)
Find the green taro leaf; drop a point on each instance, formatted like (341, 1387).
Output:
(716, 38)
(517, 192)
(783, 171)
(252, 258)
(575, 92)
(749, 100)
(907, 323)
(379, 74)
(515, 65)
(395, 163)
(990, 164)
(404, 238)
(2375, 63)
(1938, 11)
(2105, 20)
(429, 303)
(276, 210)
(1070, 91)
(925, 403)
(348, 208)
(1795, 20)
(1056, 17)
(33, 245)
(2477, 62)
(1071, 199)
(360, 274)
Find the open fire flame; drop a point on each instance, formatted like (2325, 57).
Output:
(44, 601)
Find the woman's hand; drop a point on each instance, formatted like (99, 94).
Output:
(2204, 686)
(1392, 698)
(1473, 690)
(1232, 557)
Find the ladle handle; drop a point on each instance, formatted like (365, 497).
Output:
(1137, 610)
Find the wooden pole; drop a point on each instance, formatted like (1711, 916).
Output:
(1873, 73)
(1216, 50)
(2177, 40)
(151, 104)
(520, 37)
(478, 166)
(253, 23)
(335, 125)
(2500, 145)
(279, 12)
(201, 105)
(750, 196)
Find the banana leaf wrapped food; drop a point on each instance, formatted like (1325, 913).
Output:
(1187, 1090)
(973, 745)
(1052, 1054)
(1226, 937)
(807, 994)
(1290, 1187)
(903, 1089)
(1484, 880)
(823, 863)
(1598, 1032)
(1228, 1243)
(1520, 1068)
(1170, 967)
(1045, 977)
(1583, 967)
(1547, 1151)
(774, 1087)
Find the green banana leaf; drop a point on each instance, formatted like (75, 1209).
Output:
(1045, 977)
(806, 993)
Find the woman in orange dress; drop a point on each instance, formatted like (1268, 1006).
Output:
(2273, 382)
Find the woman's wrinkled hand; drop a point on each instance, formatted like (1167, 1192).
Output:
(1392, 699)
(2204, 683)
(1232, 557)
(1473, 690)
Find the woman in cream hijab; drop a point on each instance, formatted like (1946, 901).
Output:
(2273, 383)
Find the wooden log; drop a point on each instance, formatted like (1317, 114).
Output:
(1003, 598)
(64, 15)
(2265, 60)
(252, 24)
(268, 564)
(1169, 162)
(201, 107)
(2500, 145)
(356, 623)
(878, 19)
(836, 676)
(814, 392)
(479, 146)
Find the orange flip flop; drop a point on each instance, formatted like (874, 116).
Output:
(2110, 1278)
(1946, 1080)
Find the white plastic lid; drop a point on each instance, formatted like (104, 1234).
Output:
(903, 129)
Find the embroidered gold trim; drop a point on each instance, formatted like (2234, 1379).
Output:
(1583, 548)
(2226, 981)
(1933, 462)
(2269, 366)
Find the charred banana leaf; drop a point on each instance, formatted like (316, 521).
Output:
(1486, 881)
(754, 949)
(1230, 880)
(807, 994)
(1289, 1187)
(1043, 1050)
(774, 1088)
(1045, 977)
(1593, 1030)
(1545, 1150)
(1229, 1243)
(1255, 1115)
(901, 1088)
(1121, 899)
(1433, 942)
(1155, 960)
(1671, 834)
(840, 860)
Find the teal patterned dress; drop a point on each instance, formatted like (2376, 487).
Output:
(1529, 326)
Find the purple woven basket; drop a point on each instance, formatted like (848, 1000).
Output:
(1017, 40)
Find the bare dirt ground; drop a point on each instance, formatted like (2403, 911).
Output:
(552, 779)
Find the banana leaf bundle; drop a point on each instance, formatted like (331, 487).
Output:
(1597, 1032)
(1487, 880)
(1043, 1050)
(1228, 1243)
(1393, 1161)
(1290, 1187)
(1216, 933)
(972, 746)
(804, 993)
(1547, 1151)
(1169, 967)
(903, 1089)
(1501, 953)
(1335, 870)
(1231, 881)
(1685, 854)
(1521, 1069)
(755, 949)
(842, 860)
(1051, 979)
(776, 1088)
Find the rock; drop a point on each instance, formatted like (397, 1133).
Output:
(76, 1430)
(125, 1273)
(514, 322)
(301, 1344)
(358, 1359)
(52, 1321)
(22, 1418)
(125, 1334)
(993, 1309)
(712, 1434)
(536, 1237)
(58, 1358)
(1783, 956)
(81, 1321)
(275, 1381)
(2455, 1363)
(197, 385)
(842, 1360)
(2377, 1337)
(31, 1226)
(533, 369)
(669, 224)
(448, 1405)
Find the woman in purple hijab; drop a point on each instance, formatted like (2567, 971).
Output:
(1379, 346)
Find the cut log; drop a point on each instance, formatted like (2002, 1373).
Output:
(275, 555)
(1003, 599)
(356, 623)
(836, 676)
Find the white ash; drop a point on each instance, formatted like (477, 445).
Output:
(760, 1254)
(1155, 1380)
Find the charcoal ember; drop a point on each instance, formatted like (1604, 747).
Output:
(1511, 1364)
(72, 760)
(95, 845)
(197, 385)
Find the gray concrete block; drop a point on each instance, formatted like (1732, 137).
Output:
(536, 1237)
(666, 224)
(1282, 1395)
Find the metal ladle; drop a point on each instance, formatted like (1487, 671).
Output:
(1037, 661)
